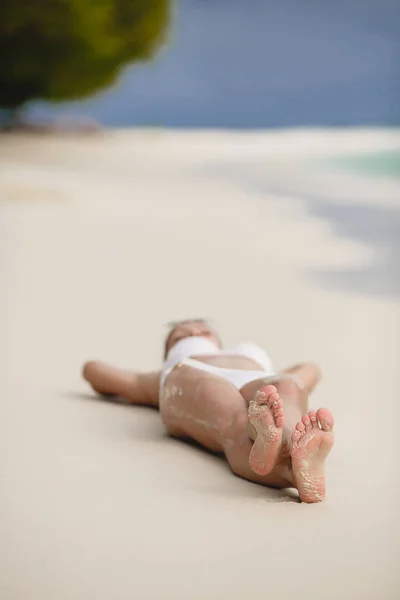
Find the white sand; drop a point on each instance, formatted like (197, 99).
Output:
(103, 240)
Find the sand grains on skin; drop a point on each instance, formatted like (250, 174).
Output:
(266, 416)
(312, 441)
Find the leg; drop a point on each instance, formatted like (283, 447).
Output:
(239, 455)
(138, 388)
(211, 411)
(199, 405)
(309, 374)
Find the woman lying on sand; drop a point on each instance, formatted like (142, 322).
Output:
(231, 401)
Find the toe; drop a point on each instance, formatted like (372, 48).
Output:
(326, 419)
(296, 436)
(279, 417)
(313, 418)
(300, 427)
(268, 390)
(306, 422)
(260, 397)
(264, 394)
(273, 399)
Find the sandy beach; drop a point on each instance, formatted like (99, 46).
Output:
(103, 240)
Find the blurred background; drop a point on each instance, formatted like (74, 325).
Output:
(261, 63)
(232, 159)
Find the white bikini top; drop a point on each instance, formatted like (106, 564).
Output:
(202, 346)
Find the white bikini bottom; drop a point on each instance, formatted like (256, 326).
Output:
(239, 377)
(180, 354)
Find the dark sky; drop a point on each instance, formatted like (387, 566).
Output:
(262, 63)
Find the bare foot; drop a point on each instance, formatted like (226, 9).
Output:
(312, 441)
(266, 416)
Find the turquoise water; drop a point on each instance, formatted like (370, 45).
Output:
(378, 164)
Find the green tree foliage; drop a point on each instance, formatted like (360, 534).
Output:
(67, 49)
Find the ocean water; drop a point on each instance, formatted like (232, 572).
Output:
(384, 164)
(345, 191)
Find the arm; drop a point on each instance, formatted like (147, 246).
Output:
(137, 388)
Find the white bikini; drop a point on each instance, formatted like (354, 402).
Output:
(183, 350)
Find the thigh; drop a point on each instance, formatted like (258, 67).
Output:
(199, 405)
